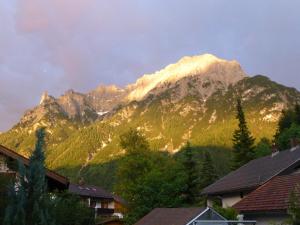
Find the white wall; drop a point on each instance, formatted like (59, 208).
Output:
(230, 200)
(227, 200)
(111, 205)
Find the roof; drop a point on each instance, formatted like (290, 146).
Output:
(255, 173)
(49, 173)
(90, 191)
(272, 196)
(170, 216)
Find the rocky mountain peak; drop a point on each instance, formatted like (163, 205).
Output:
(206, 67)
(45, 98)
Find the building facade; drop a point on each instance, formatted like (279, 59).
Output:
(104, 203)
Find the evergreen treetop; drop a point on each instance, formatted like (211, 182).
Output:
(243, 141)
(29, 201)
(208, 172)
(192, 190)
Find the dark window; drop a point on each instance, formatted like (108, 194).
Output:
(93, 203)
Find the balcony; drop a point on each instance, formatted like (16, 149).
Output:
(104, 211)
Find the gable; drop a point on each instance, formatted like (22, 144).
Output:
(208, 215)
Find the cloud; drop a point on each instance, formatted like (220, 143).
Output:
(55, 45)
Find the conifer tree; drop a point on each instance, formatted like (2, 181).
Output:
(29, 200)
(192, 181)
(37, 198)
(15, 211)
(243, 142)
(208, 172)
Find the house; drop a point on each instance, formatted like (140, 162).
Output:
(260, 189)
(104, 203)
(186, 216)
(9, 167)
(232, 188)
(269, 203)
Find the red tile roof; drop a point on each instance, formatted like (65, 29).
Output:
(272, 196)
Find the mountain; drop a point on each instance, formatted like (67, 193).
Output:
(193, 99)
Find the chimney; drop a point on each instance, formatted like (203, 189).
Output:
(294, 143)
(274, 150)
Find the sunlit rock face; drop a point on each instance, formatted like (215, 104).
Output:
(199, 76)
(206, 70)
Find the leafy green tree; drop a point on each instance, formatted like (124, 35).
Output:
(228, 213)
(134, 165)
(192, 189)
(134, 142)
(30, 201)
(243, 142)
(208, 172)
(68, 209)
(161, 187)
(147, 179)
(263, 148)
(284, 139)
(286, 120)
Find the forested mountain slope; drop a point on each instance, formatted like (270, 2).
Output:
(193, 100)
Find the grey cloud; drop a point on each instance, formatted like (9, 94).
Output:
(55, 45)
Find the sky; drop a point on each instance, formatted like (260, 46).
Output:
(56, 45)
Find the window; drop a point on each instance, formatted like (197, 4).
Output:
(93, 203)
(104, 205)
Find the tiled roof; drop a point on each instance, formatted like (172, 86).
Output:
(90, 191)
(170, 216)
(255, 173)
(49, 173)
(272, 196)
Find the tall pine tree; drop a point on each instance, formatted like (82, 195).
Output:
(192, 181)
(30, 201)
(208, 172)
(243, 142)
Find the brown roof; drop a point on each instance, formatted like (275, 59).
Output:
(90, 191)
(255, 173)
(170, 216)
(49, 173)
(272, 196)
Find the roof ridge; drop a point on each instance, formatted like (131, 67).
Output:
(26, 160)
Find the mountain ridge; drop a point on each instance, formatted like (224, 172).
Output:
(205, 69)
(202, 111)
